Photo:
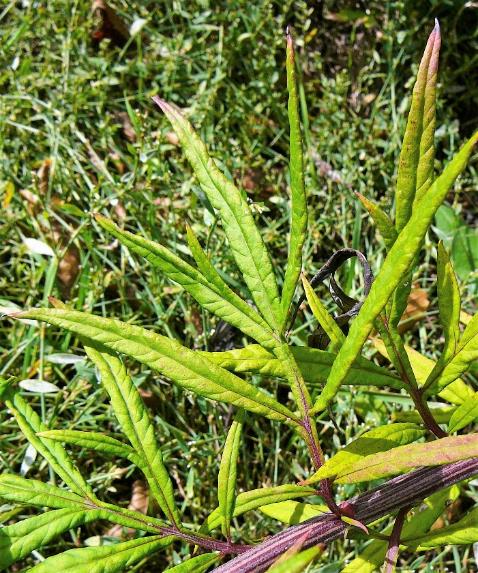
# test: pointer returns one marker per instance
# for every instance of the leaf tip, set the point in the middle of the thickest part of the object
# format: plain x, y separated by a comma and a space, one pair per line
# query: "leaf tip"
56, 303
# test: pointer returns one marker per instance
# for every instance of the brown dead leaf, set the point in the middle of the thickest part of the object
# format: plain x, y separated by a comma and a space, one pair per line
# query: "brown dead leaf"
128, 129
68, 269
139, 502
417, 306
110, 25
43, 176
172, 138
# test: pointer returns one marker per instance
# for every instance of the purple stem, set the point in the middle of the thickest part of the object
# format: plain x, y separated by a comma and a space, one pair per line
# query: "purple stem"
394, 543
405, 490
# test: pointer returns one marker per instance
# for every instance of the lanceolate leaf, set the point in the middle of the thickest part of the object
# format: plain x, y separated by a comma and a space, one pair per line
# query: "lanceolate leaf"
246, 243
30, 423
298, 223
185, 367
314, 364
379, 439
404, 458
331, 328
393, 269
250, 500
136, 424
228, 473
463, 532
297, 562
293, 512
464, 415
106, 559
197, 564
94, 441
448, 302
381, 219
209, 289
415, 171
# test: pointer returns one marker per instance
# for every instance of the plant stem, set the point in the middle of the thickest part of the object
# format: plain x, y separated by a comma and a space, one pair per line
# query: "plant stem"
394, 542
225, 547
405, 490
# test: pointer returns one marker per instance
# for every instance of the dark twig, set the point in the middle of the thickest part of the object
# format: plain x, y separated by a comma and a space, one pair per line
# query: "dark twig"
394, 542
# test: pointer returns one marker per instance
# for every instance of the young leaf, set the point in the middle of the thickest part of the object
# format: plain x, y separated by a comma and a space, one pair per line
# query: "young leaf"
185, 367
30, 423
298, 223
331, 328
415, 170
314, 364
293, 512
464, 415
297, 562
106, 559
227, 473
377, 440
197, 564
404, 458
19, 540
208, 289
462, 532
381, 219
250, 500
246, 243
136, 424
395, 266
448, 302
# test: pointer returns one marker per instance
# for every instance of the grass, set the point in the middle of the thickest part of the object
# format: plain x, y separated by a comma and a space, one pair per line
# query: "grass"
86, 109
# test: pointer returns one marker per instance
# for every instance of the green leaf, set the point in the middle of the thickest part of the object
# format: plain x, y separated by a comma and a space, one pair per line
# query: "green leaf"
297, 562
19, 540
415, 170
30, 424
314, 364
379, 439
464, 415
228, 473
95, 441
462, 532
448, 302
440, 415
373, 555
381, 219
246, 243
464, 251
207, 287
330, 327
395, 266
405, 458
136, 424
250, 500
293, 512
197, 564
185, 367
298, 223
103, 559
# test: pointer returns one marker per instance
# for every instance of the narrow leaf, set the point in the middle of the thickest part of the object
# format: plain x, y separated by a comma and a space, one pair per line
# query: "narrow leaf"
197, 564
105, 559
33, 492
185, 367
297, 562
404, 458
464, 415
462, 532
207, 287
448, 302
246, 243
298, 222
381, 220
228, 473
395, 266
136, 424
293, 512
377, 440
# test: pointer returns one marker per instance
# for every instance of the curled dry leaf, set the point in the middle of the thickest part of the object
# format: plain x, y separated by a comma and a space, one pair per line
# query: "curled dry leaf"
110, 25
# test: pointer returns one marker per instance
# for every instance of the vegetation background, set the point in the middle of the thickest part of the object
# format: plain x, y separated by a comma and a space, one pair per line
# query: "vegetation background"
79, 134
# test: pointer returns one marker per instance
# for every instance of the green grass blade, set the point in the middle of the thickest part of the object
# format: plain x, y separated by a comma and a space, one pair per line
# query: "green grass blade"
208, 289
198, 564
185, 367
394, 268
415, 171
405, 458
228, 473
30, 424
326, 321
377, 440
137, 426
298, 222
315, 365
247, 246
106, 559
449, 302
